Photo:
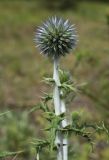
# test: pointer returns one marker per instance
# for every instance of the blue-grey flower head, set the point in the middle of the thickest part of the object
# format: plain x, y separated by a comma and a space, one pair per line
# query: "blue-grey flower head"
56, 37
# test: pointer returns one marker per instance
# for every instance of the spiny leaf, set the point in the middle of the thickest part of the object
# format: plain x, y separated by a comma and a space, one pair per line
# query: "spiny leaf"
34, 109
68, 87
47, 97
64, 76
49, 80
51, 116
40, 144
42, 106
53, 126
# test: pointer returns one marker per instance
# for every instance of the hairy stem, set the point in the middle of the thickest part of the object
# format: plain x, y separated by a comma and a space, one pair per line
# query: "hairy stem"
57, 105
64, 124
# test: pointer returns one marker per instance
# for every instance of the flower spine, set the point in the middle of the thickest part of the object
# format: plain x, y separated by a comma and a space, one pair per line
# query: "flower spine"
56, 37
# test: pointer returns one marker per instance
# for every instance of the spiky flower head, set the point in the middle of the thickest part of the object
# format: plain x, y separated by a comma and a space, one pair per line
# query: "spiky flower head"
56, 37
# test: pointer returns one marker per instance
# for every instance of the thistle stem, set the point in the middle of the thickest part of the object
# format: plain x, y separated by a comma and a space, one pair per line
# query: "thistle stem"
64, 124
57, 101
37, 157
57, 105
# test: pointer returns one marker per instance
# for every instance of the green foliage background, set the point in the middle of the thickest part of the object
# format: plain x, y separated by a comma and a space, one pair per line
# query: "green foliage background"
22, 69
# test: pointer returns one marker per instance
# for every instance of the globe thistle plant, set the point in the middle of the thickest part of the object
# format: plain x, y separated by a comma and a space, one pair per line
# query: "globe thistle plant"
56, 37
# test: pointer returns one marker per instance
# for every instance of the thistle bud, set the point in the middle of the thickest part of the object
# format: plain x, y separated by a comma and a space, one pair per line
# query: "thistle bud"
75, 116
56, 37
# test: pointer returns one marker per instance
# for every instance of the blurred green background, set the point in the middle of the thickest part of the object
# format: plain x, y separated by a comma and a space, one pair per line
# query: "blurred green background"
22, 69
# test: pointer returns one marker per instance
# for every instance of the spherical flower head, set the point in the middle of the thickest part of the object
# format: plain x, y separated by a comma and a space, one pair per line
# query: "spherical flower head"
56, 37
